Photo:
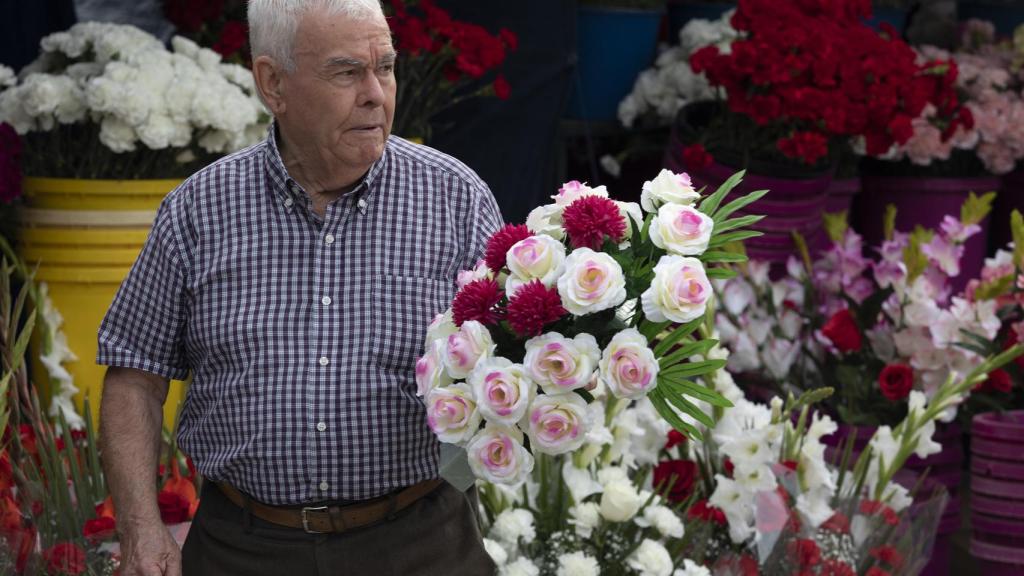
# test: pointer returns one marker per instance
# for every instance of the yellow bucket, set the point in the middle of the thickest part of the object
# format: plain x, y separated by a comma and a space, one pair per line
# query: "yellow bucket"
104, 195
83, 255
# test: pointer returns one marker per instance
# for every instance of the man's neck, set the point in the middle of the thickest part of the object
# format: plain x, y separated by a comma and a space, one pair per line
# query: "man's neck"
317, 174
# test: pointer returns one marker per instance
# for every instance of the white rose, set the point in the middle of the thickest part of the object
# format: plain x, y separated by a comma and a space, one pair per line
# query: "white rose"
592, 281
680, 290
585, 516
559, 364
620, 501
663, 519
667, 187
577, 564
496, 454
465, 347
430, 371
651, 559
502, 390
681, 229
452, 414
479, 272
557, 424
513, 525
546, 220
495, 551
440, 328
628, 366
574, 190
534, 258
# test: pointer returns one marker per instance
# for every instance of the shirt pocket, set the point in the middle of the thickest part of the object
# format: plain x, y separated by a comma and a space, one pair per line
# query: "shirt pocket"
403, 307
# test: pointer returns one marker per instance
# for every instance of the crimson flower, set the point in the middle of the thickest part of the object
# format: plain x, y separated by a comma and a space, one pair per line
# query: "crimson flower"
696, 158
841, 329
678, 476
501, 88
675, 438
533, 307
896, 381
838, 523
65, 558
702, 511
998, 381
174, 509
479, 300
805, 552
888, 554
98, 529
590, 219
499, 245
233, 37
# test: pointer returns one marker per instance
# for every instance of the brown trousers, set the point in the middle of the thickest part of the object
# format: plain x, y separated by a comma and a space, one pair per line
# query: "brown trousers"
437, 535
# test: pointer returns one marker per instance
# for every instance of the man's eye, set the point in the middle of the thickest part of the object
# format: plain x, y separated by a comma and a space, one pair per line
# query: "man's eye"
387, 68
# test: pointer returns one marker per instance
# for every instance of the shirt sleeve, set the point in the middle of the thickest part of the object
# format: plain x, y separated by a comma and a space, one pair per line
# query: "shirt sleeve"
145, 325
486, 220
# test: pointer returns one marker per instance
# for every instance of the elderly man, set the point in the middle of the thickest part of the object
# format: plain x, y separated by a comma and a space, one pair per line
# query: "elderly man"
295, 280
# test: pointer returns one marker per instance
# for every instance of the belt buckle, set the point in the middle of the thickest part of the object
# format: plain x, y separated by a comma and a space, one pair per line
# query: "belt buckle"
305, 519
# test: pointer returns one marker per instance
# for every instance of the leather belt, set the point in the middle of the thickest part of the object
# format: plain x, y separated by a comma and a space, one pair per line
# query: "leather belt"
333, 519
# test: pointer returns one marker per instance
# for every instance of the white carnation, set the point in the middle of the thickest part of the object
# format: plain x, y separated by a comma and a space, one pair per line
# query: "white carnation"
577, 564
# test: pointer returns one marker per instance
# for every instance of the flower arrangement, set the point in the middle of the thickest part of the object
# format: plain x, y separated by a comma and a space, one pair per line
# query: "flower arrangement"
875, 328
804, 77
219, 24
660, 92
148, 112
442, 61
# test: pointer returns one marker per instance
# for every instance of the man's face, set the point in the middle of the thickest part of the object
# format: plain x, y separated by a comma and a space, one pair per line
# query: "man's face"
341, 95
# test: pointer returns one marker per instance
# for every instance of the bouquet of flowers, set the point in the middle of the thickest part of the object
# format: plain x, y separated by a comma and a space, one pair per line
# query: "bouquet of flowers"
441, 62
660, 92
109, 101
806, 75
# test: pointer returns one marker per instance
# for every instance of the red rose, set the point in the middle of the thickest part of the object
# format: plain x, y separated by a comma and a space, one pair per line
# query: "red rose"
678, 476
173, 508
65, 558
841, 329
998, 381
702, 511
896, 381
98, 529
696, 158
501, 88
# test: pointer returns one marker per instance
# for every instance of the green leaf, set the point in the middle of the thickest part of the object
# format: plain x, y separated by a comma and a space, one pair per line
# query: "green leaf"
1017, 229
994, 288
650, 330
739, 236
661, 405
720, 273
689, 369
675, 336
976, 208
741, 222
700, 347
686, 407
867, 312
914, 259
836, 225
738, 203
690, 388
18, 352
889, 221
721, 256
710, 204
980, 341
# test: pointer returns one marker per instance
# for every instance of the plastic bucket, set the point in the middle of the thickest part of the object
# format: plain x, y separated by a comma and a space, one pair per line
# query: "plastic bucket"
102, 195
613, 47
840, 195
1007, 427
83, 256
995, 560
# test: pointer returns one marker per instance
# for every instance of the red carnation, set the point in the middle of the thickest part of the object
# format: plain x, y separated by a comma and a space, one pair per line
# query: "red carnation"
478, 301
809, 147
675, 438
842, 330
873, 507
696, 158
588, 220
901, 128
888, 554
501, 88
232, 38
701, 511
834, 567
678, 477
173, 507
998, 381
98, 529
896, 381
65, 558
837, 523
805, 551
533, 307
499, 244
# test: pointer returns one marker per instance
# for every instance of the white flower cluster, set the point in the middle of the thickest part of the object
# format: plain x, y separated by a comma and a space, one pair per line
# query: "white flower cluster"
138, 92
671, 83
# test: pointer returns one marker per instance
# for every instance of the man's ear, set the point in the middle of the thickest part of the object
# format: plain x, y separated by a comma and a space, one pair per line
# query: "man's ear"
269, 83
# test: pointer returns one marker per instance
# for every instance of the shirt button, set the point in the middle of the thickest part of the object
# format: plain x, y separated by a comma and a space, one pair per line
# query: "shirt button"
324, 361
361, 204
329, 239
324, 486
326, 300
321, 426
288, 202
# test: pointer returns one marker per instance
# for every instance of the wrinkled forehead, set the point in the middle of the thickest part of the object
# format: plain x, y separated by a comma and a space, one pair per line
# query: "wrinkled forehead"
322, 36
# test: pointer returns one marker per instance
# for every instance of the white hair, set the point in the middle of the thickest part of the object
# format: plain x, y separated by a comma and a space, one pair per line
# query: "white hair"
273, 23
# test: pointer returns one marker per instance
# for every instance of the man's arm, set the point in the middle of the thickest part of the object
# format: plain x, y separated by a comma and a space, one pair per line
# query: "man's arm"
131, 419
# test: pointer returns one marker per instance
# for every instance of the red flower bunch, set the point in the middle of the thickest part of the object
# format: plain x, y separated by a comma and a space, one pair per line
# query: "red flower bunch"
809, 72
998, 381
478, 300
896, 381
696, 158
591, 219
65, 558
533, 307
188, 16
842, 330
678, 477
220, 24
439, 59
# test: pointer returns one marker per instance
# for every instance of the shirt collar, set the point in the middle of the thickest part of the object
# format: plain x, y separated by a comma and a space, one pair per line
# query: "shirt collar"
285, 185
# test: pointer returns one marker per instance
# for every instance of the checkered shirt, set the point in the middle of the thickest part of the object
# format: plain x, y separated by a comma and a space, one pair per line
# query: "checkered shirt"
301, 332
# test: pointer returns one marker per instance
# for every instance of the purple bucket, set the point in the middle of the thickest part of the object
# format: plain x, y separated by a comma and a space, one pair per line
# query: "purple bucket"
1007, 427
999, 469
997, 530
995, 560
1009, 199
996, 487
996, 449
924, 201
840, 195
1004, 507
